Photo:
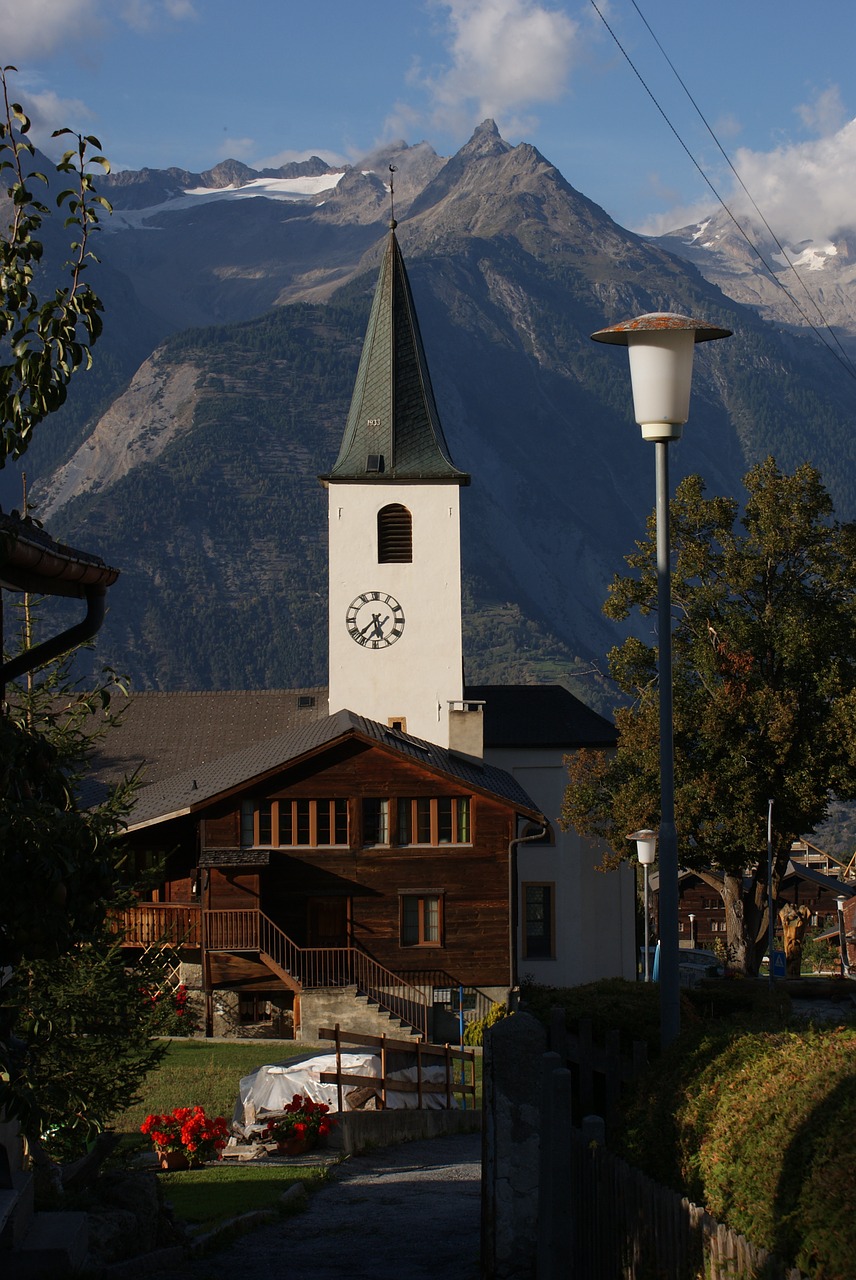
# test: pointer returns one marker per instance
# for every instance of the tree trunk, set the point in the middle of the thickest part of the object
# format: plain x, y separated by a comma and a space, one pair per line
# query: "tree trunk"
744, 918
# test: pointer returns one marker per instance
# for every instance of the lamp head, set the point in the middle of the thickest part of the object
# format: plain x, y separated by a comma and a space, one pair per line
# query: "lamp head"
646, 845
660, 346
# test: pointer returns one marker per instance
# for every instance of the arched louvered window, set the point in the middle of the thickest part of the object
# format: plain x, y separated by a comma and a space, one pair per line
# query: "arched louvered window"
394, 535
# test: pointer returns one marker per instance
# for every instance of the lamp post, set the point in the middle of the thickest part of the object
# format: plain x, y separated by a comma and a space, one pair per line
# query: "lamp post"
692, 929
842, 936
646, 851
661, 346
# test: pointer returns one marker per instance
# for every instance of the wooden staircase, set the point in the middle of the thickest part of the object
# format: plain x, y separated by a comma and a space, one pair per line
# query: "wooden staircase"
303, 969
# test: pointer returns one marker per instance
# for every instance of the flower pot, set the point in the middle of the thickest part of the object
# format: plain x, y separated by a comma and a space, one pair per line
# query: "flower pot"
172, 1160
295, 1146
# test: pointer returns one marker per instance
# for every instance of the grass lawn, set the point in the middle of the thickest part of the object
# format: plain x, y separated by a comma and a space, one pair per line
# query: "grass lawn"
202, 1197
199, 1073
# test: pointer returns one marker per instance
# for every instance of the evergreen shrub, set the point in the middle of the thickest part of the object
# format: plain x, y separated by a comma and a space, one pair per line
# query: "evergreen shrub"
757, 1126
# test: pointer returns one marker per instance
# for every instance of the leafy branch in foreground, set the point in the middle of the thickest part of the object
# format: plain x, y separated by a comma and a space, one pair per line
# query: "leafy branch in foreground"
43, 341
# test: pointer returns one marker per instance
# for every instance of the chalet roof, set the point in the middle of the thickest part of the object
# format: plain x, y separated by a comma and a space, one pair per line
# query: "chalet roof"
831, 883
539, 715
393, 431
195, 787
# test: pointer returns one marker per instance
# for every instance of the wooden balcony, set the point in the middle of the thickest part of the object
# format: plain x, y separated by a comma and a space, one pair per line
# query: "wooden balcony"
166, 924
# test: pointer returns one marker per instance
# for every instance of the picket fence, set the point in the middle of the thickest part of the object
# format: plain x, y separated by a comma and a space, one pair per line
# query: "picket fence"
627, 1227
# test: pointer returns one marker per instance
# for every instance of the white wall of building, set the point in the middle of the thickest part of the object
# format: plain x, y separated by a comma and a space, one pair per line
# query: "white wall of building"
415, 677
594, 910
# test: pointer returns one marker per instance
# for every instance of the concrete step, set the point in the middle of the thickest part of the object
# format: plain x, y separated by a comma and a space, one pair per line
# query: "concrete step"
55, 1245
16, 1210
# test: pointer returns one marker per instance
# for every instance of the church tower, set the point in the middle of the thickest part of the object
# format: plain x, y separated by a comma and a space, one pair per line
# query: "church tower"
395, 642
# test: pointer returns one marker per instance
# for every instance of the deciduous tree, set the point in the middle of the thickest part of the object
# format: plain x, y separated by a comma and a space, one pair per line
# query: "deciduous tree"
764, 662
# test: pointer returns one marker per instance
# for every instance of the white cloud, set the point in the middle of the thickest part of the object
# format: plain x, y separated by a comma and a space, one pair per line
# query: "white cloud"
46, 26
145, 15
506, 56
803, 189
42, 27
826, 114
47, 112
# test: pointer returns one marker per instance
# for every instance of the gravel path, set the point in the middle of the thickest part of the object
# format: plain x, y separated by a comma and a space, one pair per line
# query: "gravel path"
409, 1212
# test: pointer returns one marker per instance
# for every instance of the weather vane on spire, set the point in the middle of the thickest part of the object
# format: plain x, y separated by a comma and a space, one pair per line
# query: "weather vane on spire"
393, 224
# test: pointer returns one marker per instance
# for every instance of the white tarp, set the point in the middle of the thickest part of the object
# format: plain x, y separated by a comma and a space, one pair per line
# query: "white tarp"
269, 1089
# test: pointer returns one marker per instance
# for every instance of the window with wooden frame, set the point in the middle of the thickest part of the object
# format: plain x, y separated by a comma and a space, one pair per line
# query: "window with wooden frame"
394, 535
421, 918
252, 1008
375, 820
539, 921
290, 823
433, 820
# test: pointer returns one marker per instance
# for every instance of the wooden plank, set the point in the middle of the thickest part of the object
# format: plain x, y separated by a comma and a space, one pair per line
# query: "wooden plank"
366, 1041
394, 1086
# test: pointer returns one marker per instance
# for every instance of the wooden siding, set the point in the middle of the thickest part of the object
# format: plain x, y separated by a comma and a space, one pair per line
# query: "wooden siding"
472, 879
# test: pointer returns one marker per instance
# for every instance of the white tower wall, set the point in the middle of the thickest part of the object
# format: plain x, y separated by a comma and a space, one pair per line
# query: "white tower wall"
415, 677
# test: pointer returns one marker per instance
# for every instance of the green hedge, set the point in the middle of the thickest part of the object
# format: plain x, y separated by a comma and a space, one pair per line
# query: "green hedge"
758, 1127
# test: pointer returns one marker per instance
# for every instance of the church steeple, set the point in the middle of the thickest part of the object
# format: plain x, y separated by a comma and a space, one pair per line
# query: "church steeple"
395, 534
393, 433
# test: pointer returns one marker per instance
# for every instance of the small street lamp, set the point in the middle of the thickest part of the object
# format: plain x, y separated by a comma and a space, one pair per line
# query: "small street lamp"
842, 935
646, 851
661, 346
692, 929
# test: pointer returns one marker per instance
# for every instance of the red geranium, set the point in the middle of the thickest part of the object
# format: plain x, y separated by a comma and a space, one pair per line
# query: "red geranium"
189, 1130
301, 1118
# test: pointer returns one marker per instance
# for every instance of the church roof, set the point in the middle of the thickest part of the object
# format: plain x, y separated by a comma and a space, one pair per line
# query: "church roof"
539, 715
193, 788
393, 431
166, 734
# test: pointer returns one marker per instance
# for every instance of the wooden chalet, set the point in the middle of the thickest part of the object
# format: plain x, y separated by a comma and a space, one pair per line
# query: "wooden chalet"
338, 858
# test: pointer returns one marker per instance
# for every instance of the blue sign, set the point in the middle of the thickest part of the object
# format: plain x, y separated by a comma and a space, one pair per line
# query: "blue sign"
778, 966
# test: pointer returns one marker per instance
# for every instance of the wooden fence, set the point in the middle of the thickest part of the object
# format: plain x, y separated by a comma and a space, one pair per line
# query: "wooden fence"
456, 1077
627, 1227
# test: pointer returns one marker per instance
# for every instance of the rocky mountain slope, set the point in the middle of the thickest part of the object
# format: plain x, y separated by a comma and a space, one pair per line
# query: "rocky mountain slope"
809, 284
236, 326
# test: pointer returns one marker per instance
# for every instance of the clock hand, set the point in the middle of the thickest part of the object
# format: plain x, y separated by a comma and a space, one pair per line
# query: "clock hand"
376, 625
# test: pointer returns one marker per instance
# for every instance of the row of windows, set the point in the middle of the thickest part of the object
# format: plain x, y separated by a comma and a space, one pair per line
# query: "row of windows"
419, 820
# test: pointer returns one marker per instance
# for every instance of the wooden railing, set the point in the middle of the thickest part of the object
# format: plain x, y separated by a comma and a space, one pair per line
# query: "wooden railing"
231, 930
251, 930
344, 967
161, 923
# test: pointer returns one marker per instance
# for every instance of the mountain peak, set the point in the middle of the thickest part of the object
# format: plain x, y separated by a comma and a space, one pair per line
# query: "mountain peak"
486, 140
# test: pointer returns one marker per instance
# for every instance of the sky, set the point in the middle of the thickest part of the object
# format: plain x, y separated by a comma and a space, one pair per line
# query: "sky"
188, 83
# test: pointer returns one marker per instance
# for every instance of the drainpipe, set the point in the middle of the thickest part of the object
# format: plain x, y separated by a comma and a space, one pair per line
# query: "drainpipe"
59, 644
513, 991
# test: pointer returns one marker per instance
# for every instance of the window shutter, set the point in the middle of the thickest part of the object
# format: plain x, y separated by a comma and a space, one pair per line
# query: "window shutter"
394, 535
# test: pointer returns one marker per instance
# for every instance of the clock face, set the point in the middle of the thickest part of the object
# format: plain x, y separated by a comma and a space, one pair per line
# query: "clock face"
375, 620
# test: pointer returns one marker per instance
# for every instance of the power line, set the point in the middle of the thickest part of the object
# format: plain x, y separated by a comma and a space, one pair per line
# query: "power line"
842, 358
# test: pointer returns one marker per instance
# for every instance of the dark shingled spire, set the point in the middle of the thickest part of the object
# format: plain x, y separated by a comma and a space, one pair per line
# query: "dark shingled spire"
393, 431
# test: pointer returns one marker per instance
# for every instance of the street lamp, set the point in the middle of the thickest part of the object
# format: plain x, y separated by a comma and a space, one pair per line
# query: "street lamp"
842, 936
692, 929
646, 851
661, 346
